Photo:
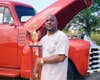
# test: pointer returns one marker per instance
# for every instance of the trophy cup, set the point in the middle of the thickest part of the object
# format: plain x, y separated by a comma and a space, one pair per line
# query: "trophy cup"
35, 37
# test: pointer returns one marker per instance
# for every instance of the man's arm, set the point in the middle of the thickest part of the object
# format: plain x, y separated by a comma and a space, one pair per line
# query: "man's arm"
54, 59
48, 60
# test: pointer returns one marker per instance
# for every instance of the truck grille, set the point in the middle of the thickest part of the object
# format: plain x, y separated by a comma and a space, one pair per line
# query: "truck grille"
94, 60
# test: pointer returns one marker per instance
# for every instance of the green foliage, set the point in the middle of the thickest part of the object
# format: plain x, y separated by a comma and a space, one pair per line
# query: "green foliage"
91, 21
97, 1
86, 17
96, 37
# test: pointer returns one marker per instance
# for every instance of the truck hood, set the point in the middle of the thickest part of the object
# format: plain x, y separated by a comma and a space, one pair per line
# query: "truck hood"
64, 10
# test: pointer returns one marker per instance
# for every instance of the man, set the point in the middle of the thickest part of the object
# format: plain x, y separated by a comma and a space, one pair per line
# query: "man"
55, 47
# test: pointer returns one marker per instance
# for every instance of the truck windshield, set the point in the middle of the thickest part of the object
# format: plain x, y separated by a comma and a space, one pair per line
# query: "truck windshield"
24, 13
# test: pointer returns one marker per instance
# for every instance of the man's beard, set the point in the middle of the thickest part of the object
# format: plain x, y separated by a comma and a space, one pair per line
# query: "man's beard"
54, 29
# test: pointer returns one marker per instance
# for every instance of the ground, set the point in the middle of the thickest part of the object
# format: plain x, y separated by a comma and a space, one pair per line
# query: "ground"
93, 76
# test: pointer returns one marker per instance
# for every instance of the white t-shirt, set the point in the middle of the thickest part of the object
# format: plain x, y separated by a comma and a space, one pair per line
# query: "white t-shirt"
55, 44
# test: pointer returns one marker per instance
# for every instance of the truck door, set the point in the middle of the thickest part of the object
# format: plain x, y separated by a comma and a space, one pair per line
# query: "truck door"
8, 39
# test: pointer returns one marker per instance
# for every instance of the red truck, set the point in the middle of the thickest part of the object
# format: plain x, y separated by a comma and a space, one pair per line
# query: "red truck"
18, 20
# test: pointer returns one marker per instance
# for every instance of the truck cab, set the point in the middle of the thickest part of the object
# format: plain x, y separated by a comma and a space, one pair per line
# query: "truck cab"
12, 37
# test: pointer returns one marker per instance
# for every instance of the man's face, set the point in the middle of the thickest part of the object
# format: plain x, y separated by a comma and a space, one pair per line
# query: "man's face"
51, 23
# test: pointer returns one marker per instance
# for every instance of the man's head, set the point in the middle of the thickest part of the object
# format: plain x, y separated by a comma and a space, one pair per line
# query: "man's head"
51, 23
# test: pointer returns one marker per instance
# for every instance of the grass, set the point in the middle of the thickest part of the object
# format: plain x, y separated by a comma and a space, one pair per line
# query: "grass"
96, 37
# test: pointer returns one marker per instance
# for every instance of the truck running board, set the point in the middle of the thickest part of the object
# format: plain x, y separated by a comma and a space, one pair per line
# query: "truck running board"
9, 72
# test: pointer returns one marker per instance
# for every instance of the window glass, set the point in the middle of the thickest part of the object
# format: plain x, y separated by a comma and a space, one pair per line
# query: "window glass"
5, 16
1, 14
24, 13
8, 17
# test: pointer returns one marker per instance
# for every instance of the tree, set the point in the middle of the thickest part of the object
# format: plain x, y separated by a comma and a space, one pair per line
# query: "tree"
86, 17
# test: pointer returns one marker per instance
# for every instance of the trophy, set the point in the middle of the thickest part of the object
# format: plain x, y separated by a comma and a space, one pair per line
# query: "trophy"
34, 34
35, 37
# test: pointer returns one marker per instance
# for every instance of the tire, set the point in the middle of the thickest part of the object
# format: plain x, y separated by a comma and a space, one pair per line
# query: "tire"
72, 73
18, 78
9, 78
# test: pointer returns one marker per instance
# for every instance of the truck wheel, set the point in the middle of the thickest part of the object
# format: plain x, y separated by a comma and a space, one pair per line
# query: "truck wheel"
72, 73
18, 78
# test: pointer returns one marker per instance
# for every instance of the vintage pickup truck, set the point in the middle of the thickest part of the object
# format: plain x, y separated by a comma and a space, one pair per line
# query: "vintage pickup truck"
18, 21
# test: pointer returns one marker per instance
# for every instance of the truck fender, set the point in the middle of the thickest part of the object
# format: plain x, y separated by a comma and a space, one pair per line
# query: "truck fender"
79, 58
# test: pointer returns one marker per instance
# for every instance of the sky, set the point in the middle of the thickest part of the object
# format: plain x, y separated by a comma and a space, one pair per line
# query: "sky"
37, 4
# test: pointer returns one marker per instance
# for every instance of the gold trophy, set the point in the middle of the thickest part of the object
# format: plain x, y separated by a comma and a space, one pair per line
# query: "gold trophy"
35, 37
34, 34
